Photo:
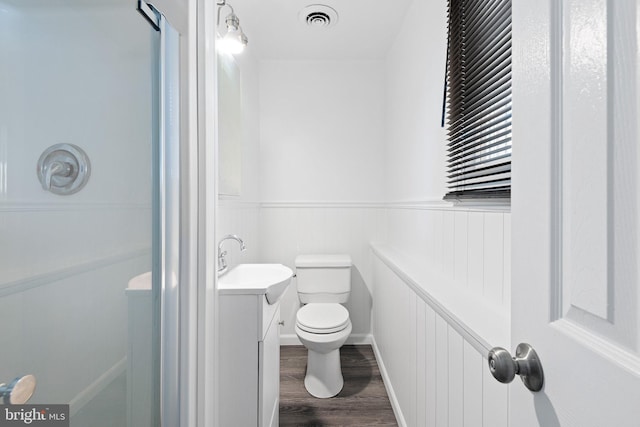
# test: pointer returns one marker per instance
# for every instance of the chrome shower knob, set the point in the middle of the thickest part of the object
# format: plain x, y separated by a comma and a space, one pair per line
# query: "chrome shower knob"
63, 169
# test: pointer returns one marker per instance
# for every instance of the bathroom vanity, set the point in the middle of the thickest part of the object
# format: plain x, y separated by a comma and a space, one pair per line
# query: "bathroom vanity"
250, 345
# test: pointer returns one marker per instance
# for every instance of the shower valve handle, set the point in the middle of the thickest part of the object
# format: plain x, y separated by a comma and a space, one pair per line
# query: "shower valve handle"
55, 168
63, 169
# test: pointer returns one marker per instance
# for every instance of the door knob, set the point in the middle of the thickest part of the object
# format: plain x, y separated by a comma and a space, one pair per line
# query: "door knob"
526, 363
18, 391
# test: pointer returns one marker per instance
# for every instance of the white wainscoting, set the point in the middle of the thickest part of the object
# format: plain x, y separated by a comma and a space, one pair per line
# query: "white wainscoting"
432, 299
288, 229
432, 351
441, 300
470, 247
68, 327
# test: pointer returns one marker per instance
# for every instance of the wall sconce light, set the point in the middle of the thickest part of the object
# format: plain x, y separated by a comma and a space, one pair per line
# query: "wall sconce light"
234, 40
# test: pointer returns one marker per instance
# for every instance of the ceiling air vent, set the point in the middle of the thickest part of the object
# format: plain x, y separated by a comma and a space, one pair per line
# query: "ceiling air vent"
318, 16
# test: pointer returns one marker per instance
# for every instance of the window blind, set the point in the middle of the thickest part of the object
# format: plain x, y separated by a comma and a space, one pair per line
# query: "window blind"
478, 99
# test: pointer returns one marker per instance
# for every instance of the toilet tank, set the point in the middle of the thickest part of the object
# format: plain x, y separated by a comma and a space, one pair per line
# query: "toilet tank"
323, 278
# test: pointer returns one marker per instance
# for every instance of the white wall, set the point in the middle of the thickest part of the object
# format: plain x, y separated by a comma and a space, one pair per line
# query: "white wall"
415, 66
80, 76
239, 214
322, 163
462, 254
322, 131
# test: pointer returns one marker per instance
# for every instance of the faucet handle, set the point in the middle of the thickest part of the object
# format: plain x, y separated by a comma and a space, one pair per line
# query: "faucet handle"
222, 262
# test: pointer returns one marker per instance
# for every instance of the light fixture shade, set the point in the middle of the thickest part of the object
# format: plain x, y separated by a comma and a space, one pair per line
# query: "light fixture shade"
231, 42
234, 40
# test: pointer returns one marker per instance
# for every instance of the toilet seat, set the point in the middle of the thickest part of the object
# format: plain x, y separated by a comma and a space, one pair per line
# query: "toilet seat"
322, 318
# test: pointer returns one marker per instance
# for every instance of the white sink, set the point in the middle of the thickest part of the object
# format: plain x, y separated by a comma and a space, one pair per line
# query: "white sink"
245, 279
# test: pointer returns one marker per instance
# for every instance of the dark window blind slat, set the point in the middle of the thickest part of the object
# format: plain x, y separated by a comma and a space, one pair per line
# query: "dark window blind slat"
478, 99
495, 111
499, 180
486, 96
479, 149
485, 156
482, 137
479, 152
482, 173
497, 60
487, 20
496, 85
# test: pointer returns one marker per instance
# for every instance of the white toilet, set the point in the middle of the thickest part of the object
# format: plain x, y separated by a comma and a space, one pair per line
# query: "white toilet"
322, 323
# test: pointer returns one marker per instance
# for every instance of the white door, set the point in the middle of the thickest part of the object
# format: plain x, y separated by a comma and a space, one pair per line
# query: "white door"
576, 210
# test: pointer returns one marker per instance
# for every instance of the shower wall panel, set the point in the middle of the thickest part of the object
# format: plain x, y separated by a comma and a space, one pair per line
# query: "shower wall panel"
76, 73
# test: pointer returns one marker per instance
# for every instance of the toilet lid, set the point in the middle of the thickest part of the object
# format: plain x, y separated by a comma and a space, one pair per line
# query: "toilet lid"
322, 318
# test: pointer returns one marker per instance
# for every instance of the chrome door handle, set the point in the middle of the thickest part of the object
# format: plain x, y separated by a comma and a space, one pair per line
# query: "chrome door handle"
18, 391
504, 368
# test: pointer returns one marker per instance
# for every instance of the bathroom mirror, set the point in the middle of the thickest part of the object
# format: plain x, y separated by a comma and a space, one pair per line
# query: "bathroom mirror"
229, 126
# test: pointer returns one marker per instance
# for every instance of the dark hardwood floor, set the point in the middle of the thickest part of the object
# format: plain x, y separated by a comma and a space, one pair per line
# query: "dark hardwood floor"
362, 402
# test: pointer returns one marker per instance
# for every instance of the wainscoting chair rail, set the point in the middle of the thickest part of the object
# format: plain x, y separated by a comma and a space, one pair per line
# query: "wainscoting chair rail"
482, 323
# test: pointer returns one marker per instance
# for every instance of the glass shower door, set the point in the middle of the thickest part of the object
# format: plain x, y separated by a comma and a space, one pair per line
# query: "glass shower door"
79, 76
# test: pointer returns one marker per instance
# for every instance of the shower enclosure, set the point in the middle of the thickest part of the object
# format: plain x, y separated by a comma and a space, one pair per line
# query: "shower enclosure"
88, 83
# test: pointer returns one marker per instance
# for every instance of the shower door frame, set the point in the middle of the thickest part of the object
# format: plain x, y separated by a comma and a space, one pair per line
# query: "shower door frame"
176, 214
169, 224
189, 370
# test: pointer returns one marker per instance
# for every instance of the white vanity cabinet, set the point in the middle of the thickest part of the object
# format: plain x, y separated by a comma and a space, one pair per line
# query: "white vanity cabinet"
249, 361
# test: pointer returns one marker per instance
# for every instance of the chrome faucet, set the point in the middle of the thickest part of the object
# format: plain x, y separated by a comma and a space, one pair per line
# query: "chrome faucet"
222, 262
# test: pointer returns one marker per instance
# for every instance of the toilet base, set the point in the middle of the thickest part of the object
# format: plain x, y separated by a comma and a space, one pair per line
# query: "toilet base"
324, 374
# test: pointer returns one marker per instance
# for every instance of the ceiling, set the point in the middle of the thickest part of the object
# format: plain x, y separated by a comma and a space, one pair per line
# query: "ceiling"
365, 29
26, 4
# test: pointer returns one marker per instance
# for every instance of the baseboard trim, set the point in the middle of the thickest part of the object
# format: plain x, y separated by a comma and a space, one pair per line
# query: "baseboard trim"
86, 395
289, 339
354, 339
395, 405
